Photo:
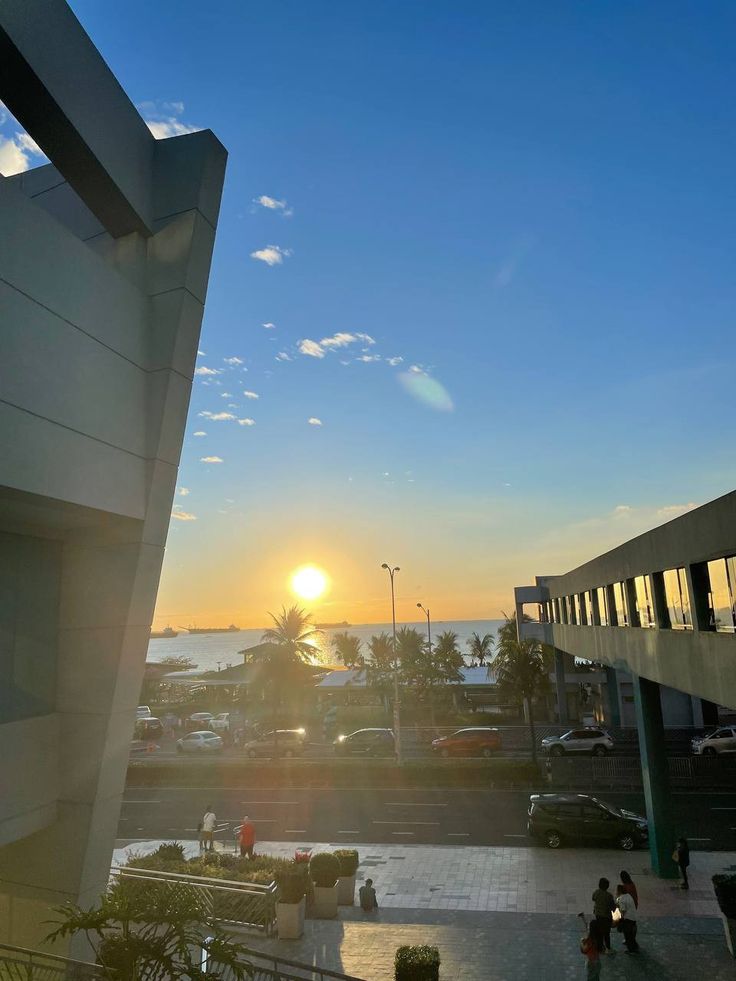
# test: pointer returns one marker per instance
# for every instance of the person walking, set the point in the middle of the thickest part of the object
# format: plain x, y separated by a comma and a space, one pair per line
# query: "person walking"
603, 906
628, 883
367, 896
681, 855
209, 823
247, 837
627, 923
591, 946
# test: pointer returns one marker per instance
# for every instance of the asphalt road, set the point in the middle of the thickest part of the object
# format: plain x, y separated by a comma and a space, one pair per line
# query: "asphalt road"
447, 817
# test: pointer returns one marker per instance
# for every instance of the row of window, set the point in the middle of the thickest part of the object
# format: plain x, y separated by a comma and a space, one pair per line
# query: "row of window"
630, 603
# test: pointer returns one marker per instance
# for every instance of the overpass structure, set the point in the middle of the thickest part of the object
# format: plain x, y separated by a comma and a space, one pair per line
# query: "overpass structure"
661, 607
104, 262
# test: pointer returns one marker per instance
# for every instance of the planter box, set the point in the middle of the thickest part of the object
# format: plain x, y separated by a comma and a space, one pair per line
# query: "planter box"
729, 927
290, 919
325, 902
346, 890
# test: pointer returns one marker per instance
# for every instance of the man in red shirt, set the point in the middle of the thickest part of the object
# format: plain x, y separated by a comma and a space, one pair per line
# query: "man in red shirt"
247, 837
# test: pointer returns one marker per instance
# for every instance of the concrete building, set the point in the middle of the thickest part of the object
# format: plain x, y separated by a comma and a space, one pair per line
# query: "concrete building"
104, 262
662, 609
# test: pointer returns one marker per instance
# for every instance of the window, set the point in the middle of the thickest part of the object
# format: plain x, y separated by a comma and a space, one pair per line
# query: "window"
722, 594
644, 605
588, 607
576, 608
556, 611
622, 607
603, 606
678, 599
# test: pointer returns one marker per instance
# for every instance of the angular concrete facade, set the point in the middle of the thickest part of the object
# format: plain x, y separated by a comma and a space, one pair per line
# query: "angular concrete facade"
104, 262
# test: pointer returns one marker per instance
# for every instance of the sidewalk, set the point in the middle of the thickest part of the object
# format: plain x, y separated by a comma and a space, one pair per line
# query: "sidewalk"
508, 914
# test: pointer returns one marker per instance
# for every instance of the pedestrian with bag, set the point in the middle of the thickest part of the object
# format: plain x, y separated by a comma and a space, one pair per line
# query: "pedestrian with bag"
627, 918
247, 837
681, 856
603, 906
209, 823
591, 946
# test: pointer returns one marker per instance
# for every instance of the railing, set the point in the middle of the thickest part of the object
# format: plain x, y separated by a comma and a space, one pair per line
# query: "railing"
22, 964
226, 901
265, 967
616, 771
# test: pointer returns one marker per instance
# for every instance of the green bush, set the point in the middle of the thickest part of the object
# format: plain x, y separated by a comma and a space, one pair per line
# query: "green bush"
171, 851
324, 869
725, 887
292, 885
418, 963
349, 860
261, 870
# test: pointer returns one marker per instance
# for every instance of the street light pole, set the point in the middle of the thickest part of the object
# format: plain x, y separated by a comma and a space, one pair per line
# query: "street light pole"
429, 627
397, 710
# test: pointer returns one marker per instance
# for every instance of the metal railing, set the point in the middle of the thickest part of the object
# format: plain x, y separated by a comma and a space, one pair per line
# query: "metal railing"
226, 901
23, 964
266, 967
616, 771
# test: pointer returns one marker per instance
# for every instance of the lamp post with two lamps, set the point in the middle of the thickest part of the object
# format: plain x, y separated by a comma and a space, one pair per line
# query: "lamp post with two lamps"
397, 711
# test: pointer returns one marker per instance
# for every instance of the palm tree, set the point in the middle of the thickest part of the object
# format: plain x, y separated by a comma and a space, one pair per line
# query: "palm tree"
522, 671
290, 645
379, 666
347, 647
446, 664
480, 647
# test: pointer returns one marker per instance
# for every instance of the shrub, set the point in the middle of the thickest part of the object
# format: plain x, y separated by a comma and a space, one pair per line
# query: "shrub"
324, 869
725, 887
349, 860
172, 851
292, 885
419, 963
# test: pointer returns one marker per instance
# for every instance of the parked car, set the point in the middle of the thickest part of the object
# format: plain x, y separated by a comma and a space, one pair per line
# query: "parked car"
198, 721
559, 819
149, 728
279, 742
475, 741
366, 742
200, 742
143, 712
722, 740
221, 722
589, 740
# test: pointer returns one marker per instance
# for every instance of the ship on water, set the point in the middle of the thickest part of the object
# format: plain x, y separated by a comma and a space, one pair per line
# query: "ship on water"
232, 629
166, 632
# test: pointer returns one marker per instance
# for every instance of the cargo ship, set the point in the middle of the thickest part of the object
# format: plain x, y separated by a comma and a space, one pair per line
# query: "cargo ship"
232, 629
166, 632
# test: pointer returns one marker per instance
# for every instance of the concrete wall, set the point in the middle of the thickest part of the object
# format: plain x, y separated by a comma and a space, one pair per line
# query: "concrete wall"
100, 331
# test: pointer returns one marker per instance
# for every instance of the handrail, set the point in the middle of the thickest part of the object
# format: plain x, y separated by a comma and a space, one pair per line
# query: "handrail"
204, 880
279, 963
53, 957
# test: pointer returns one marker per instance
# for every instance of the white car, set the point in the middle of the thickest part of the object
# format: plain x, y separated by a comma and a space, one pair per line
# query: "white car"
200, 742
722, 740
221, 722
589, 740
143, 712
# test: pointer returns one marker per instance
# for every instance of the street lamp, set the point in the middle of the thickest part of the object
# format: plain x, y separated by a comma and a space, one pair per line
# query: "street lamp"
397, 711
429, 627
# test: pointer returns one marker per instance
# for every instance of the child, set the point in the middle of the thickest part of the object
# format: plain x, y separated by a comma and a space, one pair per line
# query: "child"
591, 946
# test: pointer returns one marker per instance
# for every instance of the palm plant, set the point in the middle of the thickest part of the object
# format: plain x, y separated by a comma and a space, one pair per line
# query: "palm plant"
291, 644
379, 666
480, 647
154, 934
522, 671
347, 647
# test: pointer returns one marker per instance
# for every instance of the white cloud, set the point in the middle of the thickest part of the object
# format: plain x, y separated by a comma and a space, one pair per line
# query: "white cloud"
182, 515
674, 510
368, 358
273, 204
216, 416
417, 369
343, 338
200, 432
211, 459
201, 354
183, 492
204, 370
246, 422
233, 361
226, 395
283, 356
272, 255
394, 361
311, 348
16, 153
269, 326
314, 421
163, 119
251, 395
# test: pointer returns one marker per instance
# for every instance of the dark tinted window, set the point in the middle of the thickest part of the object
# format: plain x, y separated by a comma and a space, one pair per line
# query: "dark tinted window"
563, 811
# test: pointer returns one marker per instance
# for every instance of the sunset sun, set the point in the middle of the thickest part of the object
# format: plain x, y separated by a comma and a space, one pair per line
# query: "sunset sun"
308, 582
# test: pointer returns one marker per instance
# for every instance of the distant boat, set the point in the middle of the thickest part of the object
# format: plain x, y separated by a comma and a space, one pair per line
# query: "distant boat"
232, 629
166, 632
329, 626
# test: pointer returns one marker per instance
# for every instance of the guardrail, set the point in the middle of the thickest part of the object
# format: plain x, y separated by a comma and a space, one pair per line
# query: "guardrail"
617, 771
231, 903
268, 968
23, 964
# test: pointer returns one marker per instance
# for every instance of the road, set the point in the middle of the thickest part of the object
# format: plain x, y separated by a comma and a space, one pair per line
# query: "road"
459, 817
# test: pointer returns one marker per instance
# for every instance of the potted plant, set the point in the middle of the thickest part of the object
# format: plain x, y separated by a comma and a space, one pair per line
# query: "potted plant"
418, 963
349, 861
725, 889
291, 903
324, 870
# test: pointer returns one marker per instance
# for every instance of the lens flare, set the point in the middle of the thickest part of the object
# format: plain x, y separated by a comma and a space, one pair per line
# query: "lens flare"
308, 582
427, 390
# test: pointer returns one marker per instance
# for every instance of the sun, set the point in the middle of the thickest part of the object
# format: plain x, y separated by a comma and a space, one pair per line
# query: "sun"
308, 582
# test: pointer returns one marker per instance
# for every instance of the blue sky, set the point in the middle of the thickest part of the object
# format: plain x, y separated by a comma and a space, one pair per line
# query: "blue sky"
531, 204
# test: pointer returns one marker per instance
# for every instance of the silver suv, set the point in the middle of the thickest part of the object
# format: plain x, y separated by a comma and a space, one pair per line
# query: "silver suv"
723, 740
589, 740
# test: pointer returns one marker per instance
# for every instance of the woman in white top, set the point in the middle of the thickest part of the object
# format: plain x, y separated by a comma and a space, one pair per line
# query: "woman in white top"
627, 910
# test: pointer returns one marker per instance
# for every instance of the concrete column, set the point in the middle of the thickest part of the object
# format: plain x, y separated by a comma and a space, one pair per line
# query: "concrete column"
709, 711
561, 687
614, 709
697, 587
655, 776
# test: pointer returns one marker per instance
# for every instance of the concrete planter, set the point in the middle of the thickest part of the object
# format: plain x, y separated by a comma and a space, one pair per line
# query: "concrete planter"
290, 919
346, 890
325, 902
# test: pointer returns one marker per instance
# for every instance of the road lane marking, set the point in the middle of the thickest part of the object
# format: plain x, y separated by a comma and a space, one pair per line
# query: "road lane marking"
392, 803
723, 808
458, 834
348, 832
432, 823
515, 836
252, 803
142, 802
295, 831
409, 833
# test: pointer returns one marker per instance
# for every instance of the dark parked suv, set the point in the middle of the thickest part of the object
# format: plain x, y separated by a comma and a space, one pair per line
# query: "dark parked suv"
366, 742
561, 818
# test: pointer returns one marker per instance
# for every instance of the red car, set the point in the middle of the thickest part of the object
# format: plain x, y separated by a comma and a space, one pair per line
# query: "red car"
478, 741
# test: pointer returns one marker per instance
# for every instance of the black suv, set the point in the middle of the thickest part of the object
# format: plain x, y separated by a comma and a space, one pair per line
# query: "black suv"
560, 818
366, 742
